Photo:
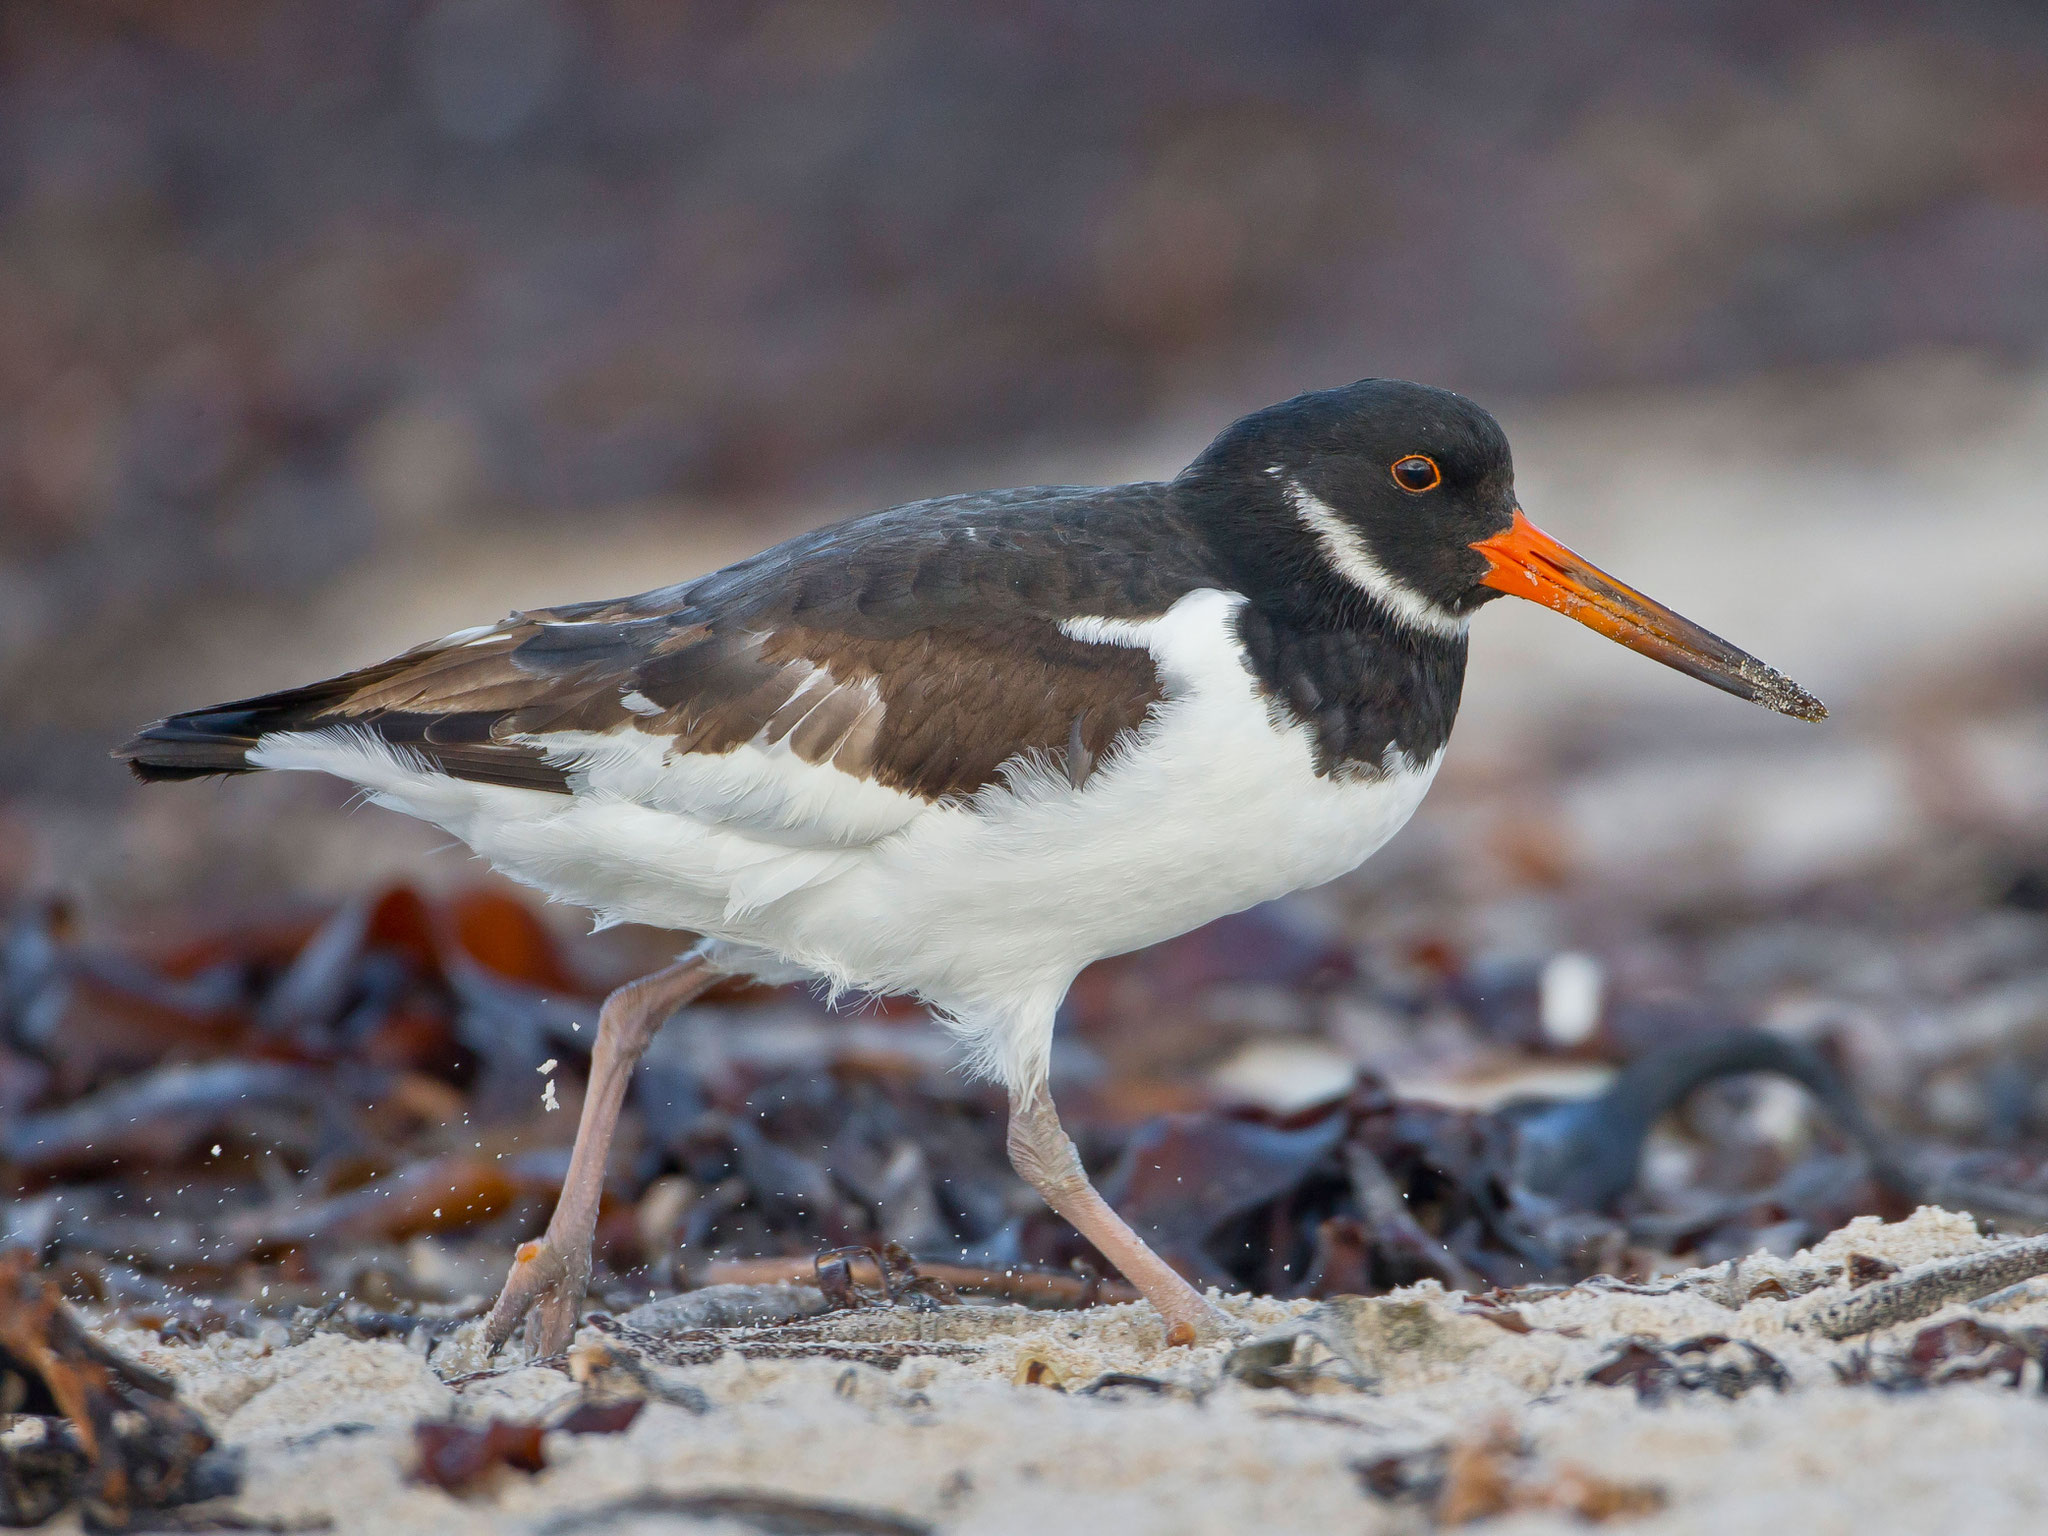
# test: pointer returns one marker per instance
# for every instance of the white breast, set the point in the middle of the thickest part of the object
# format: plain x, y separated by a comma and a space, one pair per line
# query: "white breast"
987, 910
991, 911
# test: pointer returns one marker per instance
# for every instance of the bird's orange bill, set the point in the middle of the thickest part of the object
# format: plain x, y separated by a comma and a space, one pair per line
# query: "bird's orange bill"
1527, 562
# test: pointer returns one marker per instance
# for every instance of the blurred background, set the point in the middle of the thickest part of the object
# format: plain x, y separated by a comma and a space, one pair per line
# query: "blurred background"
325, 330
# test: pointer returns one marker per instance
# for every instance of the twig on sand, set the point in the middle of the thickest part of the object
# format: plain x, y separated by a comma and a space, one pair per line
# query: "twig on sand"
507, 1369
1928, 1288
760, 1511
727, 1306
1031, 1287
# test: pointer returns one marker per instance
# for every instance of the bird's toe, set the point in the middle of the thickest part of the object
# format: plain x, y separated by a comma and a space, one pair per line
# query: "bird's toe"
545, 1288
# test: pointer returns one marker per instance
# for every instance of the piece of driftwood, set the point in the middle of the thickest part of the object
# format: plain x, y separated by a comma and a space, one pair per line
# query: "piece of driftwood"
731, 1305
1927, 1288
776, 1514
1030, 1287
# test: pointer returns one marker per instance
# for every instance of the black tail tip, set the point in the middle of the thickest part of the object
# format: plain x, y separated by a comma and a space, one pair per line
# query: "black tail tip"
162, 773
183, 748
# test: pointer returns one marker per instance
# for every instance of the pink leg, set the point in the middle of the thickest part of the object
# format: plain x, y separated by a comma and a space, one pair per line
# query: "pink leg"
549, 1276
1042, 1152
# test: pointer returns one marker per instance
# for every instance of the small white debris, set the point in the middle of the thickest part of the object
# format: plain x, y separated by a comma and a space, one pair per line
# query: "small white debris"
437, 1212
216, 1149
1569, 997
548, 1066
547, 1096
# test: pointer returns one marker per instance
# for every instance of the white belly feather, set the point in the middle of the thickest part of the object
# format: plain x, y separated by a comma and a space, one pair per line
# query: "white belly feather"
986, 910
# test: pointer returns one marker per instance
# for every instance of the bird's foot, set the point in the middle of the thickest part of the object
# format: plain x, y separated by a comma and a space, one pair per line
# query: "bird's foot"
545, 1288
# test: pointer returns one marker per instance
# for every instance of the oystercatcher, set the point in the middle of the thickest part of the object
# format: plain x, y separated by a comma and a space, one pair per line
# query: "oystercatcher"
960, 749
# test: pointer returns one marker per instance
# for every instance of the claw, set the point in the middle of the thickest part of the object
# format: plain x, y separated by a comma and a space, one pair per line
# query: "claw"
1202, 1323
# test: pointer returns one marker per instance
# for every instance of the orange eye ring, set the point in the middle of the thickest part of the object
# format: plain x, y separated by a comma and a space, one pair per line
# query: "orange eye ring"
1416, 473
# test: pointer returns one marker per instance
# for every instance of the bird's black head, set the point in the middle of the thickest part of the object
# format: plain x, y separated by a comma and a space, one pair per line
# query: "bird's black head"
1381, 487
1393, 504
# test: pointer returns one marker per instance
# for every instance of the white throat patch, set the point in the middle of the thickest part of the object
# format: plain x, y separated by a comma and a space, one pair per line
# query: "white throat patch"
1355, 562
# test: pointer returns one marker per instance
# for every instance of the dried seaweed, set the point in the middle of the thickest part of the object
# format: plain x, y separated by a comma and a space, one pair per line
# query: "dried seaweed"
1478, 1477
458, 1458
346, 1107
1961, 1349
599, 1418
1707, 1363
113, 1439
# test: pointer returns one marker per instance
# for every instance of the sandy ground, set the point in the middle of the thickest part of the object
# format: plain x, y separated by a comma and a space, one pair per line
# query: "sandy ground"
954, 1439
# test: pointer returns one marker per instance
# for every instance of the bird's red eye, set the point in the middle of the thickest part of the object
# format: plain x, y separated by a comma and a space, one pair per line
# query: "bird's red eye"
1417, 472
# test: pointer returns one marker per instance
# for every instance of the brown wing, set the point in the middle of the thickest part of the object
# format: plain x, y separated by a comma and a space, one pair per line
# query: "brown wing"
920, 647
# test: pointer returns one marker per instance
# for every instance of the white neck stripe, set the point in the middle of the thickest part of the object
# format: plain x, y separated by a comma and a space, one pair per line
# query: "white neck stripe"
1355, 562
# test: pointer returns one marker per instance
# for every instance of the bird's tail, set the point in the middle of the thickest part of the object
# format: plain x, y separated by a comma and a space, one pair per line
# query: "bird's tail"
202, 742
193, 745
